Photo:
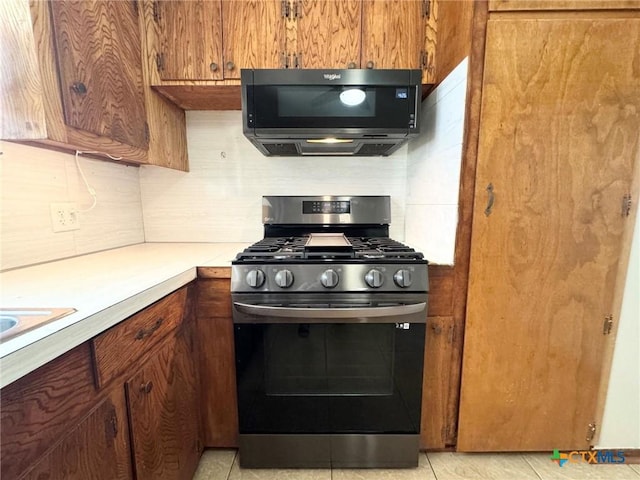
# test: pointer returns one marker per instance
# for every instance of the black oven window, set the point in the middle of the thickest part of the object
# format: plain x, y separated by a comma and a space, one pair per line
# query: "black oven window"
329, 378
336, 359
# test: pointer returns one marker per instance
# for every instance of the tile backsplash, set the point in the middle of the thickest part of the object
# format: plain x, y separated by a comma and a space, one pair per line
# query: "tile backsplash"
433, 170
33, 178
220, 199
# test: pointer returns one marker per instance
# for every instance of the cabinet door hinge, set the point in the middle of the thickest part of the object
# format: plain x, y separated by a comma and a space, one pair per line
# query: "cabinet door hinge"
160, 61
286, 8
156, 12
626, 205
608, 325
147, 133
423, 59
135, 7
591, 431
284, 60
297, 60
297, 9
426, 8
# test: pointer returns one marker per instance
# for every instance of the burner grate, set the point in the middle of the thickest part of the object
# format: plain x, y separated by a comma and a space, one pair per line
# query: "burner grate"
362, 249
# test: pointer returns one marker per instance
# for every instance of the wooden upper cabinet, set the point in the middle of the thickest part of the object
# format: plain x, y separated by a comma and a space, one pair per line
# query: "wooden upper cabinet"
253, 35
393, 33
100, 68
328, 34
190, 39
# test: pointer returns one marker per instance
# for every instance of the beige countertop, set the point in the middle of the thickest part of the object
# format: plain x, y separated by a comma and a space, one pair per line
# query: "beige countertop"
104, 288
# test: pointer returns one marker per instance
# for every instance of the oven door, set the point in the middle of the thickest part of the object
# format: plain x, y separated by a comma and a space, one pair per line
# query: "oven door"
328, 365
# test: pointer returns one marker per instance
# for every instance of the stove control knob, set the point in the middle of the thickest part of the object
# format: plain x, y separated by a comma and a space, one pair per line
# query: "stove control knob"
255, 278
329, 278
402, 278
284, 278
374, 278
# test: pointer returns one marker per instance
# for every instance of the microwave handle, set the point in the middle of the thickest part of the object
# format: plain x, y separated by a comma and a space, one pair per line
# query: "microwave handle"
269, 314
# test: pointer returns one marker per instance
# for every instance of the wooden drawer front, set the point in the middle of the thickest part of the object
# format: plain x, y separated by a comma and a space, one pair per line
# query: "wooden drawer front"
134, 339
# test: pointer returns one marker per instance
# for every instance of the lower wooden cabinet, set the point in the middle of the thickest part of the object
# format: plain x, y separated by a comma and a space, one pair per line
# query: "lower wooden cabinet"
98, 448
40, 408
217, 358
141, 420
163, 402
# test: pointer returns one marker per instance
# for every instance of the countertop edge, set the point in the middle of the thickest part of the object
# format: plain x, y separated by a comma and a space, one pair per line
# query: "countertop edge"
24, 360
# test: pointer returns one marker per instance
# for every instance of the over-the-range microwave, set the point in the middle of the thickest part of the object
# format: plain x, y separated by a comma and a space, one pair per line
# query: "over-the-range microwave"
291, 112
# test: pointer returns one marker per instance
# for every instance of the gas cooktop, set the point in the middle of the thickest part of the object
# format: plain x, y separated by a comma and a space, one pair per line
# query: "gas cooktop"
298, 248
328, 244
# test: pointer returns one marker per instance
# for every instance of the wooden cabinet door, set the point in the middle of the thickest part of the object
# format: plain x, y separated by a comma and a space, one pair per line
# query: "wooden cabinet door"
217, 358
190, 39
253, 35
393, 33
98, 53
558, 140
328, 33
164, 414
96, 449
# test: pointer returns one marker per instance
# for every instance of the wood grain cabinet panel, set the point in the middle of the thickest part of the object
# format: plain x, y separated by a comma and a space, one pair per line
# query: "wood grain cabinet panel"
37, 409
507, 5
217, 363
328, 34
100, 68
557, 145
393, 33
123, 346
97, 448
254, 35
22, 108
190, 39
183, 41
163, 410
73, 80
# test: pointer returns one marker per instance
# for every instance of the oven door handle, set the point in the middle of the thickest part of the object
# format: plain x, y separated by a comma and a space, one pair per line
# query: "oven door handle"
345, 315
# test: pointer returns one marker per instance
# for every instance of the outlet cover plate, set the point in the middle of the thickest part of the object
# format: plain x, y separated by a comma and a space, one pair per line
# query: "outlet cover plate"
64, 216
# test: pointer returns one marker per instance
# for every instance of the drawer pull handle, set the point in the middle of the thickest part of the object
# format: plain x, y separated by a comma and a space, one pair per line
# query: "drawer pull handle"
146, 387
146, 332
490, 199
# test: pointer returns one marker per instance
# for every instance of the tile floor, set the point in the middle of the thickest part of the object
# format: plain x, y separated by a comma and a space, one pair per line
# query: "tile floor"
223, 465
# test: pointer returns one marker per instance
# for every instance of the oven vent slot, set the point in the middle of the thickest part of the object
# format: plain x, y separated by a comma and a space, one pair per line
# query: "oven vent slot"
375, 148
281, 148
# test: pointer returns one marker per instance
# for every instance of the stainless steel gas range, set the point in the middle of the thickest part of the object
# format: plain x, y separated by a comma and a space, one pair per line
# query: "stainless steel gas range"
329, 322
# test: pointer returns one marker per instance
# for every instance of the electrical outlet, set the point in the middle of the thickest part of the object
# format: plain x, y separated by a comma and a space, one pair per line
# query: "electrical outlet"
64, 217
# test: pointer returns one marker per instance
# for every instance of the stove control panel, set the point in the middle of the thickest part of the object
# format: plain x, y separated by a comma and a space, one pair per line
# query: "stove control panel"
337, 277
